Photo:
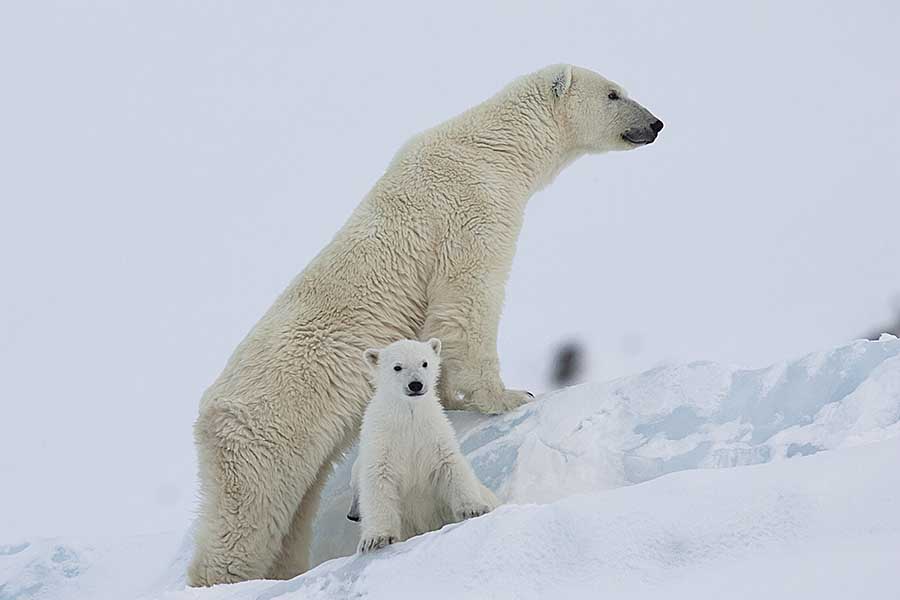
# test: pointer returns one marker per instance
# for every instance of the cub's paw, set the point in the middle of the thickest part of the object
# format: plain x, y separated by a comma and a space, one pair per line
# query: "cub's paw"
496, 403
375, 542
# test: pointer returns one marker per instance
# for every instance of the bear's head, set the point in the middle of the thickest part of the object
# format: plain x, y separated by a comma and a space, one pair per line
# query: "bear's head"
596, 113
406, 368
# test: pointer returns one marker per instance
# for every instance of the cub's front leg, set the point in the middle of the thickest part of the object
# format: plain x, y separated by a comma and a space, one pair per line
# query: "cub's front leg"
457, 484
464, 312
379, 507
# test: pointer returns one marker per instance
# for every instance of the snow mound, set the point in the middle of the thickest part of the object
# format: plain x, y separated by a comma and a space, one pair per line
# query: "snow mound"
59, 569
615, 488
702, 415
818, 527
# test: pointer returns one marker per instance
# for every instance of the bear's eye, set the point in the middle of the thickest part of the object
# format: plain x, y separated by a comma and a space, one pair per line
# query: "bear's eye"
398, 368
425, 365
613, 95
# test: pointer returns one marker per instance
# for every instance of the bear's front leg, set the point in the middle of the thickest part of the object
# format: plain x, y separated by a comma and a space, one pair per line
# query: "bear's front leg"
464, 313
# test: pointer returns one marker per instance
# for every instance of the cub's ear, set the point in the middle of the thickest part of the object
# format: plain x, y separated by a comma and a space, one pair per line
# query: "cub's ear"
435, 345
371, 356
562, 81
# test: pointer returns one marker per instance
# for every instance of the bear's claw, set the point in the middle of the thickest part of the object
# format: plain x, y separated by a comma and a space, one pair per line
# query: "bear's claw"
494, 404
470, 512
375, 542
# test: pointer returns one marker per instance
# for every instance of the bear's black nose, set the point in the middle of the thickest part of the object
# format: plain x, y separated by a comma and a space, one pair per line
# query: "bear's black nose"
415, 386
656, 126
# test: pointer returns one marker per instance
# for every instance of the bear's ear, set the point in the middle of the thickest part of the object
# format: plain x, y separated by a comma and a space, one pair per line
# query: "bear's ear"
435, 345
371, 356
562, 81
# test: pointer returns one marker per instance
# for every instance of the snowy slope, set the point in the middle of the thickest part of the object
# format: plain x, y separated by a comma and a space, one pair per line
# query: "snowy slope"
616, 488
608, 435
88, 569
816, 527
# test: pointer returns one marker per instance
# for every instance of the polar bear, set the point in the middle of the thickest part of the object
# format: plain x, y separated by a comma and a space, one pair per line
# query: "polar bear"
425, 254
411, 475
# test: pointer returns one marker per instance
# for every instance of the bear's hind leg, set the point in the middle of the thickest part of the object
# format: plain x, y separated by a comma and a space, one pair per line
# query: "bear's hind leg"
244, 516
293, 558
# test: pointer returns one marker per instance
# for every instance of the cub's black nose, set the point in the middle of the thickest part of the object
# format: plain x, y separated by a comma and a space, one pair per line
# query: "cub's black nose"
656, 126
415, 386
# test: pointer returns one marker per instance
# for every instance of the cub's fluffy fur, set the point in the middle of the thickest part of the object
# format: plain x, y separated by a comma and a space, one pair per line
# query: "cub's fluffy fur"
410, 475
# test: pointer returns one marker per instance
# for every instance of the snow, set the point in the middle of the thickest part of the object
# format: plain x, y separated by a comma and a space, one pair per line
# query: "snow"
686, 481
64, 568
701, 415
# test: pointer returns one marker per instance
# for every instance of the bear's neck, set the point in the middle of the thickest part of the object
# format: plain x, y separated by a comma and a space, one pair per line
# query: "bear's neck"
524, 137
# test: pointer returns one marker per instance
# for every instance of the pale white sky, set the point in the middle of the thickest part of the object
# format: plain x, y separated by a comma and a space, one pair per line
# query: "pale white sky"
168, 167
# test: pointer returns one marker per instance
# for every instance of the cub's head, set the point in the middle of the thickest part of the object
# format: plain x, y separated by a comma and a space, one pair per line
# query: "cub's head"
597, 113
407, 367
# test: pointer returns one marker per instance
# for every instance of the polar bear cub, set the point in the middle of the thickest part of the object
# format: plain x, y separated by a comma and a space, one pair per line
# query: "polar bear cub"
411, 476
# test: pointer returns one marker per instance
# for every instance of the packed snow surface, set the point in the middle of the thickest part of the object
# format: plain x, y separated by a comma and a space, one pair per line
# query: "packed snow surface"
685, 481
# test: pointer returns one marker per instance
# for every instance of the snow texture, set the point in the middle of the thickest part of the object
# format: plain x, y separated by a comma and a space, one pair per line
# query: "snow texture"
622, 488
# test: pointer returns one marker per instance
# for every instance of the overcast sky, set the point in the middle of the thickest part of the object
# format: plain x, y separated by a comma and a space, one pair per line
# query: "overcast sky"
167, 167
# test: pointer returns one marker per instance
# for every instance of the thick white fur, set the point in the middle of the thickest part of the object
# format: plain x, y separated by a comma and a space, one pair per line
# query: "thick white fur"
410, 475
426, 254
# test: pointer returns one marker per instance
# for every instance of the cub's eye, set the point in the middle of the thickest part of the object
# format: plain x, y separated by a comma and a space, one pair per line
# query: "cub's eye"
398, 368
613, 95
425, 365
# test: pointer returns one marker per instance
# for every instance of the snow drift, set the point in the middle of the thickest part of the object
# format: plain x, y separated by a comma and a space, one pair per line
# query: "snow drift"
575, 523
598, 437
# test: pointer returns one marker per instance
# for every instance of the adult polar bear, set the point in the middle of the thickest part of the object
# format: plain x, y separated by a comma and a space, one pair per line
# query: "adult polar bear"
426, 254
